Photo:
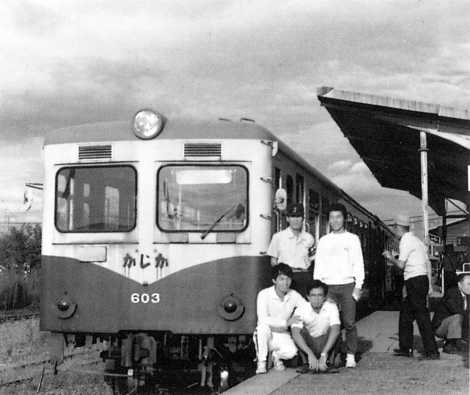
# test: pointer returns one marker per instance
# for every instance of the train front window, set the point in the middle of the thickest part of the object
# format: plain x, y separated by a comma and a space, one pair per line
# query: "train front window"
96, 199
196, 198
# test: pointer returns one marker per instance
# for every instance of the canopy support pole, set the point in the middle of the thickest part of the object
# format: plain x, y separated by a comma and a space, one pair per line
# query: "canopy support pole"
444, 230
424, 185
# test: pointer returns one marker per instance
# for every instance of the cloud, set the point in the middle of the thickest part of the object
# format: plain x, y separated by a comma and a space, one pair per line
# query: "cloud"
76, 62
21, 163
340, 166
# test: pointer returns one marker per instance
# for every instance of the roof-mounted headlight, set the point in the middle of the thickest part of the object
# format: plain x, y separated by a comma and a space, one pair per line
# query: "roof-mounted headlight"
148, 124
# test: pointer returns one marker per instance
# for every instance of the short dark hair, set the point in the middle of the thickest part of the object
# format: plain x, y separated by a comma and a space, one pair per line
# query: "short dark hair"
281, 268
338, 207
461, 276
317, 284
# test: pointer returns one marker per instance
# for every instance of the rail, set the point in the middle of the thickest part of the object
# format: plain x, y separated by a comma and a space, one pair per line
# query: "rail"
17, 316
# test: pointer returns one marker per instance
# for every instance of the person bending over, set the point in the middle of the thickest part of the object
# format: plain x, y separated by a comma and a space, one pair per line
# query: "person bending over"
451, 318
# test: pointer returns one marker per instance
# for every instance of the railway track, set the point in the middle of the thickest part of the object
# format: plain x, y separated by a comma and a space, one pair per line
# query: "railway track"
17, 316
90, 377
20, 373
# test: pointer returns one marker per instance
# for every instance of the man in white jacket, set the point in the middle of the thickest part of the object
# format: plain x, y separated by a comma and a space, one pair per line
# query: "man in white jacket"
340, 265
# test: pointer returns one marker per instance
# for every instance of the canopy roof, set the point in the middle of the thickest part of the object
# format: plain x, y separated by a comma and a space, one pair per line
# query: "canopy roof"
386, 134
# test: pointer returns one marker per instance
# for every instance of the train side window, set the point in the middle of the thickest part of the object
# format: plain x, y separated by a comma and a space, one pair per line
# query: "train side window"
299, 188
313, 202
347, 224
324, 216
289, 189
313, 210
96, 199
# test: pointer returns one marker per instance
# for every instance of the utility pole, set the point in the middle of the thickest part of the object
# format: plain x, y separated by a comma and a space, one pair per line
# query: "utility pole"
424, 185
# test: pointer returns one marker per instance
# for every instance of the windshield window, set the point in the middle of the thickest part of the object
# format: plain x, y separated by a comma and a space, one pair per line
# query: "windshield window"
192, 198
96, 199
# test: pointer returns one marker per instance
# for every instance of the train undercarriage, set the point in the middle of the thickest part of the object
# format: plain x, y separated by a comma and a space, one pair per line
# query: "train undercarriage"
167, 363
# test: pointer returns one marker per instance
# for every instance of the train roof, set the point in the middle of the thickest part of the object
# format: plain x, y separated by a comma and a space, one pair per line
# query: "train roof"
173, 129
191, 129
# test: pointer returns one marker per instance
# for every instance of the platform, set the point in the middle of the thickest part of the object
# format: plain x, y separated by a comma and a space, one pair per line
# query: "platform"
378, 371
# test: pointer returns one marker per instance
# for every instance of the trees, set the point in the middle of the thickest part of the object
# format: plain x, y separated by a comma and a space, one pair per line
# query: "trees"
20, 248
20, 260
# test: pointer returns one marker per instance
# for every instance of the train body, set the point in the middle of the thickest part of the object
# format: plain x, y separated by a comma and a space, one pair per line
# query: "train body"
166, 238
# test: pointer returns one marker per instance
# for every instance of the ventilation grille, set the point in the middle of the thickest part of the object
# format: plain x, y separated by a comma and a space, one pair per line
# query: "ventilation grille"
200, 150
94, 152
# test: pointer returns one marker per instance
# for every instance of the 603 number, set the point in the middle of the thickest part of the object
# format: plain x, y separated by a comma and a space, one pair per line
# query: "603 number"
145, 298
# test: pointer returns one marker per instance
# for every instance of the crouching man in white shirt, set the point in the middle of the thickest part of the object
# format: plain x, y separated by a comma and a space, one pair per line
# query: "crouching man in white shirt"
316, 327
275, 306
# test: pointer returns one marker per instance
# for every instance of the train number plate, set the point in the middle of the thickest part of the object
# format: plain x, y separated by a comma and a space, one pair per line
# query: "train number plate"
145, 298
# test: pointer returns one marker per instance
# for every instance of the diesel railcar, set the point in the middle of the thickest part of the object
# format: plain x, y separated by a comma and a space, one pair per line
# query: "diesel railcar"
155, 234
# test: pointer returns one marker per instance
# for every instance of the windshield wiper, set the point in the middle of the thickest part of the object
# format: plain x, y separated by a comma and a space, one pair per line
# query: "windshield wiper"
238, 213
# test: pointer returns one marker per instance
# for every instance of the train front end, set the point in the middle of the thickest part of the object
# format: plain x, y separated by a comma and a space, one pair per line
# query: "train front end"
156, 243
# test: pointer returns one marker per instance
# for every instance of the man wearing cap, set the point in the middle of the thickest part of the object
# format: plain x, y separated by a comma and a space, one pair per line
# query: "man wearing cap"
293, 246
413, 260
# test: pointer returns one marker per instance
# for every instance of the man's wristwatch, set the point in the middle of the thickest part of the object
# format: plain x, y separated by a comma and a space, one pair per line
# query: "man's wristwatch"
323, 354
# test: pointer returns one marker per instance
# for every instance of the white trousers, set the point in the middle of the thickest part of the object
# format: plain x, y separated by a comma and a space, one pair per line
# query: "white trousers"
280, 343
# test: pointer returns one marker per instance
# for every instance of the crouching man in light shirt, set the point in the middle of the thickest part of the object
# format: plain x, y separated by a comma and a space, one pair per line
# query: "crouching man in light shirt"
316, 327
274, 309
340, 265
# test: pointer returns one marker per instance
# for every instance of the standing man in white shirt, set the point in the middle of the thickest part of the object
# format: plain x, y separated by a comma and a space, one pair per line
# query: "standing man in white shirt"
414, 261
340, 265
294, 247
316, 327
274, 308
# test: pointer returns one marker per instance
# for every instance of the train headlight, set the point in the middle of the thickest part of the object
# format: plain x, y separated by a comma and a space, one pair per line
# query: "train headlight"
65, 307
148, 124
230, 308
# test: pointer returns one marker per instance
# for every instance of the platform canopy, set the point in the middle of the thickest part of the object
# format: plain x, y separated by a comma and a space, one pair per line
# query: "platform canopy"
386, 134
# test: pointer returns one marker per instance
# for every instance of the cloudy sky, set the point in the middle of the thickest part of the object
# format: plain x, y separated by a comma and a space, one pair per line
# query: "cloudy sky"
70, 62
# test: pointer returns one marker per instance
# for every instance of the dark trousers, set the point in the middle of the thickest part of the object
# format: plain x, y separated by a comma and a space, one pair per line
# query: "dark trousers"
342, 295
450, 279
301, 280
414, 308
316, 344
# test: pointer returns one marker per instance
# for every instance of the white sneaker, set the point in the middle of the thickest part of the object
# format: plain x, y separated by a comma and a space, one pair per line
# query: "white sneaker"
350, 361
261, 367
278, 364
